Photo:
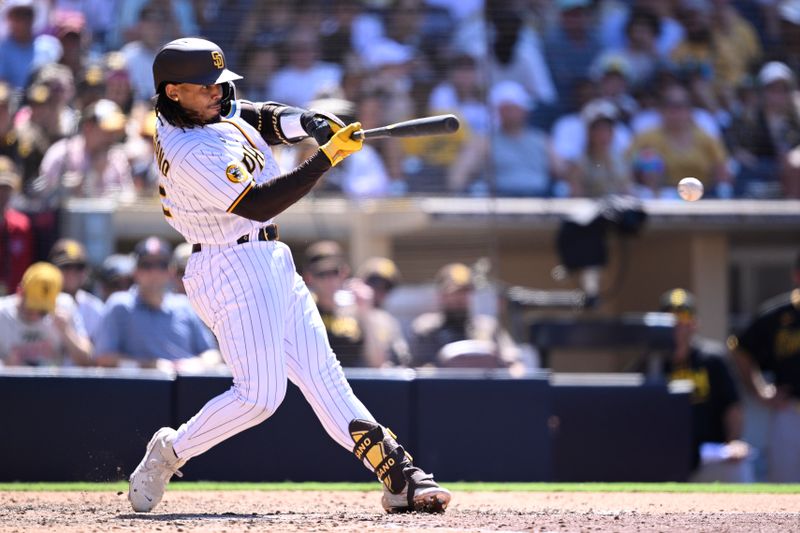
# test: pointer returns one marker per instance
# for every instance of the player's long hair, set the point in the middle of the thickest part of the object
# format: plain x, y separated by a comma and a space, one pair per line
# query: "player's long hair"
172, 112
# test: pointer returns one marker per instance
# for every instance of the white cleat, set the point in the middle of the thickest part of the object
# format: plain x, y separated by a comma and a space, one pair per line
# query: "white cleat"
148, 481
426, 495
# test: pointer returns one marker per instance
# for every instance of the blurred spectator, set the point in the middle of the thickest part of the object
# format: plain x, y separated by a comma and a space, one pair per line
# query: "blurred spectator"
304, 75
684, 149
601, 170
177, 17
259, 63
381, 276
99, 15
70, 29
572, 45
649, 115
462, 94
515, 160
16, 62
770, 347
118, 84
151, 34
139, 150
617, 18
115, 274
180, 258
703, 50
612, 74
785, 42
149, 326
515, 53
59, 81
343, 305
762, 141
438, 337
39, 325
90, 164
717, 416
336, 34
570, 134
90, 87
16, 236
69, 256
521, 156
640, 51
731, 30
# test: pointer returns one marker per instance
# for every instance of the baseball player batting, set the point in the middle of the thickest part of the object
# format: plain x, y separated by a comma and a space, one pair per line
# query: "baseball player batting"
221, 189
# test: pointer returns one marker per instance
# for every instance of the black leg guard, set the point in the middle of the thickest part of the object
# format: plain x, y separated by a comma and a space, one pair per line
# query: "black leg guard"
378, 446
407, 488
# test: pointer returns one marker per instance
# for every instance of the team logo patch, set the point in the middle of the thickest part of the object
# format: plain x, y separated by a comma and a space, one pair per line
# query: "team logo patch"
216, 57
237, 173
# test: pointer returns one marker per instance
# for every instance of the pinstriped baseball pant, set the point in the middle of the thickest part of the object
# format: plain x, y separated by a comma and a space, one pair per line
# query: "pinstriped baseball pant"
269, 330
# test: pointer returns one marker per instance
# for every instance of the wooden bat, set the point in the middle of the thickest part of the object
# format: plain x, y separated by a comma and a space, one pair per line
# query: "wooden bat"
436, 125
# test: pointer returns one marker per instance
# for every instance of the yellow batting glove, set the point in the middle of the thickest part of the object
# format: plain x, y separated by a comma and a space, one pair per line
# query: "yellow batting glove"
341, 144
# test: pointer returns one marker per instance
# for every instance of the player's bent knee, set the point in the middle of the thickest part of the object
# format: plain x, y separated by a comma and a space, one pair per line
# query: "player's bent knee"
263, 406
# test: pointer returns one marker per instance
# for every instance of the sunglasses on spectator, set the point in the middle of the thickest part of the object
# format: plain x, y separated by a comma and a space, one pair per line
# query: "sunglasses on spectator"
153, 265
78, 267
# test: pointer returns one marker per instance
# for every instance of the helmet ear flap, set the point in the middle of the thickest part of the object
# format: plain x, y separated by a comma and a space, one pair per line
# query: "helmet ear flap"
228, 96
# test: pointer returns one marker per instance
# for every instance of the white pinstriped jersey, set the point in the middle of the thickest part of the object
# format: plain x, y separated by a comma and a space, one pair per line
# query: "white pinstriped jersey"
205, 172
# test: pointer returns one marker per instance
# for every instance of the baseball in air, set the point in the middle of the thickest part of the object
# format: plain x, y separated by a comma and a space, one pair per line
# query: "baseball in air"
690, 189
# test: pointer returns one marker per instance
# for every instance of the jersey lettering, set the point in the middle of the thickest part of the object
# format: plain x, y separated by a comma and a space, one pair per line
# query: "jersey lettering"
161, 161
251, 158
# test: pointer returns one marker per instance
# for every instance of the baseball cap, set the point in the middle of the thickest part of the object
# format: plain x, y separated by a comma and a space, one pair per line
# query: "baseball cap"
38, 93
379, 268
324, 255
67, 252
510, 92
152, 247
115, 267
8, 173
677, 301
610, 63
599, 109
67, 22
454, 277
41, 285
106, 114
775, 71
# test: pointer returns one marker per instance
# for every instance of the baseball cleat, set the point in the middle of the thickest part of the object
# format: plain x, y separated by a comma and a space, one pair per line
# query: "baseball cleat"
148, 481
421, 494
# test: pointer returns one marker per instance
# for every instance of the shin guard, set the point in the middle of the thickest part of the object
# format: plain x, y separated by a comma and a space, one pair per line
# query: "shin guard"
377, 446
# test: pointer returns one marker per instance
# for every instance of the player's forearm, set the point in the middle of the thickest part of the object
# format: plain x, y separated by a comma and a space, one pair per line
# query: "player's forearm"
752, 380
277, 123
78, 347
267, 200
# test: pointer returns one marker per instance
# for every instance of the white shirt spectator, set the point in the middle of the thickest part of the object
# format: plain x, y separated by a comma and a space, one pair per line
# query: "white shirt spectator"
90, 308
34, 343
569, 136
444, 98
297, 87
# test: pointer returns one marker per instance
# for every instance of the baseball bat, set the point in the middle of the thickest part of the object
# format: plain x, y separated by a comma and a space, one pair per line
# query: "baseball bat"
436, 125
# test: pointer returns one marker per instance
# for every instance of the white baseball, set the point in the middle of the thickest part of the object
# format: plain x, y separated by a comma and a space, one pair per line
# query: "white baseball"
690, 189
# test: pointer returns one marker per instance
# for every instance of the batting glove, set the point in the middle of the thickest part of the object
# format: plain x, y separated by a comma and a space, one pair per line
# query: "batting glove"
342, 144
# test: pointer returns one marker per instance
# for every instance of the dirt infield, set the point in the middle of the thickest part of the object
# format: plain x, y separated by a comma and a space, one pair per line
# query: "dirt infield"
235, 511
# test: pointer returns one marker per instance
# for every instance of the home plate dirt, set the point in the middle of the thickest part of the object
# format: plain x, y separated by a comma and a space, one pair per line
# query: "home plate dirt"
235, 511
